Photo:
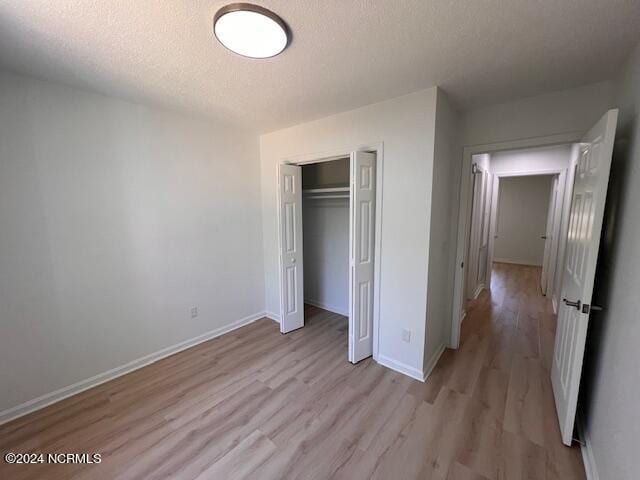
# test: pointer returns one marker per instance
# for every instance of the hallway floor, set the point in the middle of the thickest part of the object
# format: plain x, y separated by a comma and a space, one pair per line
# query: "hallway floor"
509, 428
257, 404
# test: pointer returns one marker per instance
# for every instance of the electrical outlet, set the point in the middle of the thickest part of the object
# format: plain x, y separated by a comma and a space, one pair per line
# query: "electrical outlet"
194, 312
406, 335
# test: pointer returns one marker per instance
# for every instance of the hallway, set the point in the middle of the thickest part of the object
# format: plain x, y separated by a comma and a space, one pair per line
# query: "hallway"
509, 427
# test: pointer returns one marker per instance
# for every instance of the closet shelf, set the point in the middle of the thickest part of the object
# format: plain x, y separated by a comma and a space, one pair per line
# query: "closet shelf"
326, 193
324, 197
326, 190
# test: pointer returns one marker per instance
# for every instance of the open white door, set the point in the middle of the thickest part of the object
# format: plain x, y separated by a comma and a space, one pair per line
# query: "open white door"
585, 224
291, 260
549, 235
479, 240
361, 237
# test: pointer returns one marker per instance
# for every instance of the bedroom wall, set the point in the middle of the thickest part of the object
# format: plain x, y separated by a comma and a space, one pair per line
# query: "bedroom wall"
441, 237
405, 128
117, 219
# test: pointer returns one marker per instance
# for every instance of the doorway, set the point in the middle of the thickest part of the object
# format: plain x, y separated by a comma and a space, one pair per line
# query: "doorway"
480, 230
328, 206
516, 214
575, 222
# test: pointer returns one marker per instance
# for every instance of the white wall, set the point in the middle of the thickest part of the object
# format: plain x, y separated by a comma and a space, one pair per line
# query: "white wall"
611, 382
441, 239
116, 219
406, 127
523, 205
574, 110
326, 253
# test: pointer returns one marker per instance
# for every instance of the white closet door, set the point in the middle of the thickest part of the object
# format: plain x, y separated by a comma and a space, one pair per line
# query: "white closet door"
585, 224
362, 228
291, 259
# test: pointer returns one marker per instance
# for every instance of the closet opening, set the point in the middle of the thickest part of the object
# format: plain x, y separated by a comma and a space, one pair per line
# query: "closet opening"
327, 221
325, 239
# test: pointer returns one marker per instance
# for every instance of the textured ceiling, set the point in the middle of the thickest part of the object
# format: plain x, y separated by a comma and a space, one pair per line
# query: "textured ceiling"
345, 53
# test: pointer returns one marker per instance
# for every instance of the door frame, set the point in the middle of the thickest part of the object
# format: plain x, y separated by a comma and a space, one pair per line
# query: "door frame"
337, 154
464, 210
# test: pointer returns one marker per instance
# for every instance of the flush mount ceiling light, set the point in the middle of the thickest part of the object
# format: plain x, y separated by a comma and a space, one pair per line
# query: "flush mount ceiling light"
251, 31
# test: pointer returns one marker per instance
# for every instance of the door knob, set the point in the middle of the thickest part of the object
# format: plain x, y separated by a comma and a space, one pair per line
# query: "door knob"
577, 305
293, 260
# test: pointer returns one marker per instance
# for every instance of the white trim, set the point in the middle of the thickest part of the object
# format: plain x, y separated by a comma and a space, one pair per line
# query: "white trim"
588, 457
554, 304
400, 367
420, 375
433, 361
273, 316
329, 308
531, 173
78, 387
478, 291
345, 152
516, 262
465, 207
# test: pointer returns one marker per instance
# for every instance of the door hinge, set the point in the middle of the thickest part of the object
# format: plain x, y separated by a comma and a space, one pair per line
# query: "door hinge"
462, 265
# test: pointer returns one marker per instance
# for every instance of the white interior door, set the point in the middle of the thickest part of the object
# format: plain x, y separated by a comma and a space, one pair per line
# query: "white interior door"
493, 225
554, 266
485, 228
479, 237
548, 235
361, 239
291, 259
585, 224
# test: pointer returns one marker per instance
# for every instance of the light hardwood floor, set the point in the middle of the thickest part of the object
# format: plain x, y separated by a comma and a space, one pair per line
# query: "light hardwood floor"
258, 404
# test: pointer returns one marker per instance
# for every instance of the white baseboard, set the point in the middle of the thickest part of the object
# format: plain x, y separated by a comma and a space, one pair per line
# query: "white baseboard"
554, 304
587, 452
273, 316
401, 367
330, 308
433, 361
516, 262
478, 291
78, 387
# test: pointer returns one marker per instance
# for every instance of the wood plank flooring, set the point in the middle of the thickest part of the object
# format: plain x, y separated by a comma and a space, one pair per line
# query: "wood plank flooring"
255, 404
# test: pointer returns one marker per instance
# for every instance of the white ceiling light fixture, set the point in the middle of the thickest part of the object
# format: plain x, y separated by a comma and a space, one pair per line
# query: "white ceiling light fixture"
251, 31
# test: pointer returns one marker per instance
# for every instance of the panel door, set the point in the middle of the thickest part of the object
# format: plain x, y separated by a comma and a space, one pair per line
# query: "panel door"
291, 259
362, 241
585, 224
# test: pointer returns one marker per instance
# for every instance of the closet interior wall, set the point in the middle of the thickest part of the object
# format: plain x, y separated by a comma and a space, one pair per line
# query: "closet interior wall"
325, 220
